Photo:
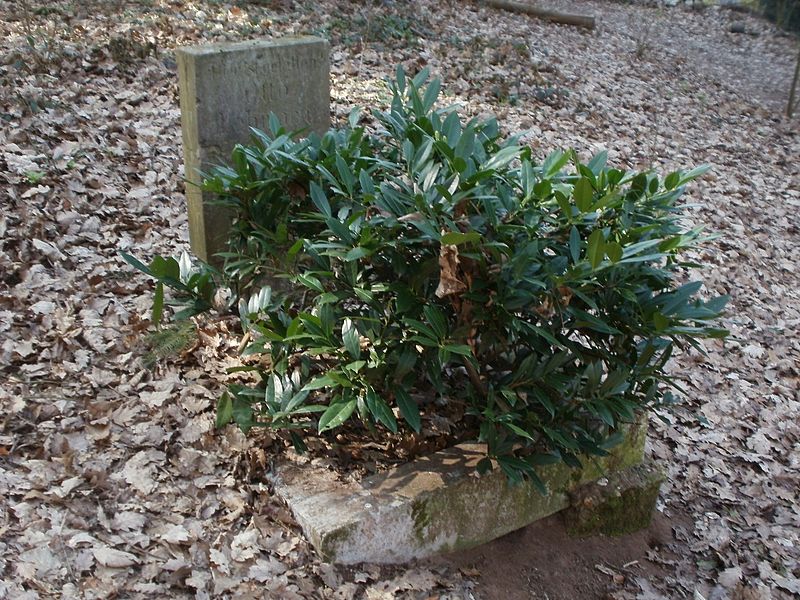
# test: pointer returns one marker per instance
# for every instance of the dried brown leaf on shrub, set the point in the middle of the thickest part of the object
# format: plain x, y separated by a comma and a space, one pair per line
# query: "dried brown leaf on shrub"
449, 282
565, 295
546, 308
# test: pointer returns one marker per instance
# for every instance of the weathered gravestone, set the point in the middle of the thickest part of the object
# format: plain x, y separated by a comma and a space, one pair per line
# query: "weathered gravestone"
225, 89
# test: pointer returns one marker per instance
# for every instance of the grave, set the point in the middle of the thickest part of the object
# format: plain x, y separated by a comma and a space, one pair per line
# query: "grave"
434, 504
439, 503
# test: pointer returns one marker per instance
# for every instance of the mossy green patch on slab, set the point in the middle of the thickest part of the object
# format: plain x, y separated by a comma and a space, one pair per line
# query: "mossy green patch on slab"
619, 505
626, 454
330, 541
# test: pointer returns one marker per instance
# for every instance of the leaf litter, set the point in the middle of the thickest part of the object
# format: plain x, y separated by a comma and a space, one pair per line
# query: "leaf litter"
113, 480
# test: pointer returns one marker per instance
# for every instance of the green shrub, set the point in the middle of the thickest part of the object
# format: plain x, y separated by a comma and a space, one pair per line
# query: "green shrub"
434, 259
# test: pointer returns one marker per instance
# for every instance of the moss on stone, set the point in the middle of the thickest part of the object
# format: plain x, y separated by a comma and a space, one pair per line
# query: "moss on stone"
628, 453
450, 513
421, 516
623, 506
329, 543
478, 509
438, 509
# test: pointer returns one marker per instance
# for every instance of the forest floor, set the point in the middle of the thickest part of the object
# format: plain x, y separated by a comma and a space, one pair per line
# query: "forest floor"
114, 482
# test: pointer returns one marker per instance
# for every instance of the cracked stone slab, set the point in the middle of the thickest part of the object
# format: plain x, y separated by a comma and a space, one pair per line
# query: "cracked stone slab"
432, 505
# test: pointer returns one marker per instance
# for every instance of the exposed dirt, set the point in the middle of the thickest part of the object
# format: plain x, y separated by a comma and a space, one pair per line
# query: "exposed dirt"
542, 562
113, 481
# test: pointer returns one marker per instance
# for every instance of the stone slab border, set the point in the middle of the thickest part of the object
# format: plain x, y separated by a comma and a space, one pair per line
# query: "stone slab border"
439, 503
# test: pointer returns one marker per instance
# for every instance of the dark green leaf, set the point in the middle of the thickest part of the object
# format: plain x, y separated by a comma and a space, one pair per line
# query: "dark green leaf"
158, 304
311, 282
672, 180
455, 238
165, 268
319, 199
431, 93
583, 194
356, 253
598, 163
519, 431
484, 465
613, 251
224, 410
409, 409
574, 244
136, 263
596, 248
461, 349
335, 415
437, 320
323, 381
381, 411
660, 321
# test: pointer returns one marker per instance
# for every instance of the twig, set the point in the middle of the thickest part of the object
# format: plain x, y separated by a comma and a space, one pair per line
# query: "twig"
474, 377
245, 340
63, 546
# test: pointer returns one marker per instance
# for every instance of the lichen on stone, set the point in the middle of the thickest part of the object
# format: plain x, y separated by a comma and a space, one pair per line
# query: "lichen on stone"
624, 505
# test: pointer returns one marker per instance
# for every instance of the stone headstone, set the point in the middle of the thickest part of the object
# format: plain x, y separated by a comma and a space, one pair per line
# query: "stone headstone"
225, 89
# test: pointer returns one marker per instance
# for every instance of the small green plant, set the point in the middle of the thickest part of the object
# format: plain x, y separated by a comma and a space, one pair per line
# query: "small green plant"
194, 285
434, 259
34, 177
168, 342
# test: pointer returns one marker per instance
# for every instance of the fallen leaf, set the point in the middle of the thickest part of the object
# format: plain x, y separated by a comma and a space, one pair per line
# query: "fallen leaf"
115, 559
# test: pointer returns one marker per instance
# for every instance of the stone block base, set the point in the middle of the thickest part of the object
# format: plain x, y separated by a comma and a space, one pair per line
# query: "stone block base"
439, 503
619, 504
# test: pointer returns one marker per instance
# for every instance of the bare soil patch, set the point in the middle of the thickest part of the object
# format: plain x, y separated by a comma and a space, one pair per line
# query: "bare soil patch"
542, 561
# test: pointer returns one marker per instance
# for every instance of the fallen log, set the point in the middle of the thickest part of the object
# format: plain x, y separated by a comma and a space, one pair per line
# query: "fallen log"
586, 21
